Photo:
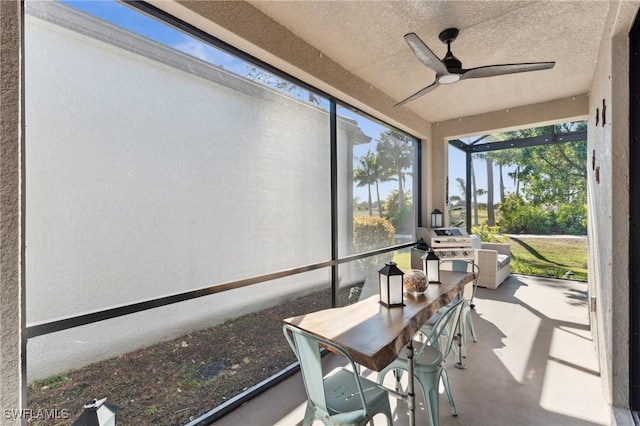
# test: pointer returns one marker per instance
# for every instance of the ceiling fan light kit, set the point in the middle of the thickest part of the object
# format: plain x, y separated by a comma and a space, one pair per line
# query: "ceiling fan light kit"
448, 78
449, 69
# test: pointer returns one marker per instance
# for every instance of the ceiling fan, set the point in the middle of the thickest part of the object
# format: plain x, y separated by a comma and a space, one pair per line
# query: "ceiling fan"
449, 69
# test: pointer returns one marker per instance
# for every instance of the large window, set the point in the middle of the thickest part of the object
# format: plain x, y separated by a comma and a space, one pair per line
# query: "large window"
161, 169
375, 194
377, 182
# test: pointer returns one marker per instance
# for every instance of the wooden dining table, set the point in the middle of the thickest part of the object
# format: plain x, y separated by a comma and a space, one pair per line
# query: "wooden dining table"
374, 335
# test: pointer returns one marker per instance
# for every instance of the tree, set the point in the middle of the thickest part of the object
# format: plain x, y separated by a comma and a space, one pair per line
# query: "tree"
474, 193
504, 158
500, 158
491, 217
555, 174
550, 174
371, 233
550, 178
490, 213
368, 173
550, 182
282, 85
394, 150
400, 218
461, 185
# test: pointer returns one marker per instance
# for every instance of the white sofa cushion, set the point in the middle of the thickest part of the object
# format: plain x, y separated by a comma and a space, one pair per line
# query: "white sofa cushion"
503, 260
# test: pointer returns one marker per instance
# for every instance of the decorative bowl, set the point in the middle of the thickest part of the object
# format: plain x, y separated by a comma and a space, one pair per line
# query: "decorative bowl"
415, 281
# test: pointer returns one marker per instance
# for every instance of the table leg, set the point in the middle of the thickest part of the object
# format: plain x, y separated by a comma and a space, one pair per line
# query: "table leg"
459, 331
410, 391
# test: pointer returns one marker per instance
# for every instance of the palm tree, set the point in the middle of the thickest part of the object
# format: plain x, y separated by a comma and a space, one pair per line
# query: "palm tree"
368, 173
474, 194
474, 191
394, 150
491, 217
503, 158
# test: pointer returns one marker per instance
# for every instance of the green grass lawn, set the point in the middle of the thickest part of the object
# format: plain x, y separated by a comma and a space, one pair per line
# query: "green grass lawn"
541, 256
402, 259
549, 257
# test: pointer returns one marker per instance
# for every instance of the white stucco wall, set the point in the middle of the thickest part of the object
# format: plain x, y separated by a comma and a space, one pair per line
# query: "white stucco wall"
608, 190
144, 180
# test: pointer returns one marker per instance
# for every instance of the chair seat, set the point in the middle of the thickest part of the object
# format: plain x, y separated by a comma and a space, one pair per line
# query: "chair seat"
343, 401
341, 397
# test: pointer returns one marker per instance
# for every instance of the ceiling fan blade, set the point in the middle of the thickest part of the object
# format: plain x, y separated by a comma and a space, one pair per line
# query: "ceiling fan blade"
419, 93
495, 70
424, 54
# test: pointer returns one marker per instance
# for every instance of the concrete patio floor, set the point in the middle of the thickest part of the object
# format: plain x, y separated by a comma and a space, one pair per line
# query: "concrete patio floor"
534, 364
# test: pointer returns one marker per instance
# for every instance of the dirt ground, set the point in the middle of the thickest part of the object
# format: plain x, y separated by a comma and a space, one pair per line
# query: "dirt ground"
173, 382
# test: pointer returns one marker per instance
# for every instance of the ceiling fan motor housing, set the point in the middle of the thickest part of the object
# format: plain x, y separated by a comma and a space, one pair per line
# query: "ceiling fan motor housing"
452, 63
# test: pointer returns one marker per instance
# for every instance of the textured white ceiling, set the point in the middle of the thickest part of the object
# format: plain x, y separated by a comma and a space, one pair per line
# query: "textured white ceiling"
366, 38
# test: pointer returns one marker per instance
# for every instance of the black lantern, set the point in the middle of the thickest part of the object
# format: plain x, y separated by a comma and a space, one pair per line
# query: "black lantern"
436, 219
97, 413
431, 266
391, 281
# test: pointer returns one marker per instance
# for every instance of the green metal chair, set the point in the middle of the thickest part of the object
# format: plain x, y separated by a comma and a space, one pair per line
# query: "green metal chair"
466, 322
342, 397
429, 361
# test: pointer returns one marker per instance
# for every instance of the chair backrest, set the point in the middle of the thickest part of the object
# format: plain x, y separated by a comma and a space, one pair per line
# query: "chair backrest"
453, 314
459, 265
448, 318
306, 347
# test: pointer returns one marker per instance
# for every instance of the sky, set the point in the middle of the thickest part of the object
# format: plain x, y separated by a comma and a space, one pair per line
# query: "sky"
128, 18
457, 168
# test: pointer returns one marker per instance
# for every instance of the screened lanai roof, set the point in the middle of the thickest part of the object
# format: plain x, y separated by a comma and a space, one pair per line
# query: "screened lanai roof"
546, 135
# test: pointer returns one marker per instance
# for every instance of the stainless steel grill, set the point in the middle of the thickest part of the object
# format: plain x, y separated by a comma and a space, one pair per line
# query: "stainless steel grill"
451, 243
448, 243
457, 253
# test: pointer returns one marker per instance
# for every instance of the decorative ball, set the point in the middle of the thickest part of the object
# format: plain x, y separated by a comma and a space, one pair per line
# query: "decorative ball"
415, 281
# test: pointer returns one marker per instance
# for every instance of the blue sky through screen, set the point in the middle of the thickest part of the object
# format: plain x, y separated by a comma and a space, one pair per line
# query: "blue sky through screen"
457, 168
139, 23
